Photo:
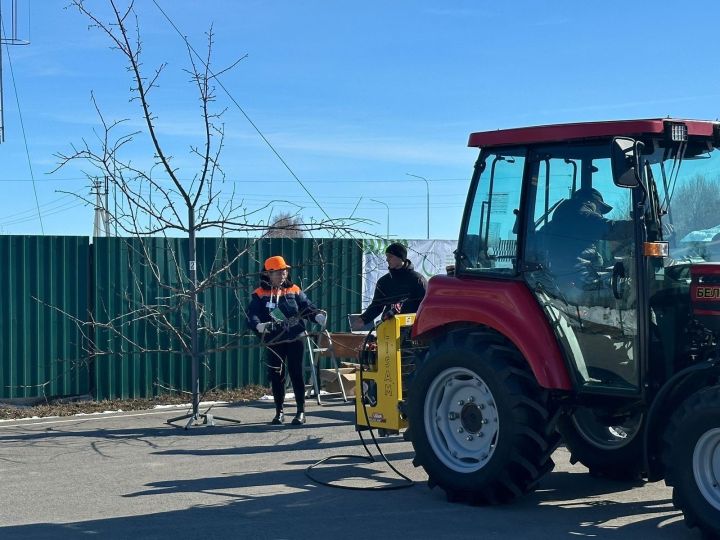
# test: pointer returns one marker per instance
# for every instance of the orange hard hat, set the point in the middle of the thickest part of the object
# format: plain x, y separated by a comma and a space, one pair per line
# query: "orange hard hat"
276, 263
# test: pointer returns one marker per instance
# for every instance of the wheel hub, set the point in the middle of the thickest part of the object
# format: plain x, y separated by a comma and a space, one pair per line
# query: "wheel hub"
471, 418
461, 419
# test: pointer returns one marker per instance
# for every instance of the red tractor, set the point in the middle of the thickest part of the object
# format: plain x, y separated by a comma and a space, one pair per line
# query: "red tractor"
583, 307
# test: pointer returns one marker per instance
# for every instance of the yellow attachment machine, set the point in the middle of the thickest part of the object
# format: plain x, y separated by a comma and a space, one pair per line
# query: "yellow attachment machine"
380, 385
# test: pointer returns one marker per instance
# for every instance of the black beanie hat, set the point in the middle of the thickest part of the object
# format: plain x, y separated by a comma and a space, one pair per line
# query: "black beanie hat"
398, 250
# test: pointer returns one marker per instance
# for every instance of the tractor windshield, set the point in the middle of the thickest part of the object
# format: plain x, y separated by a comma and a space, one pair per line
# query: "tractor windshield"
688, 195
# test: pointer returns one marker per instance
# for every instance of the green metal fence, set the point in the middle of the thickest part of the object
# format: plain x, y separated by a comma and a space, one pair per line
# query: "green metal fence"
126, 286
44, 284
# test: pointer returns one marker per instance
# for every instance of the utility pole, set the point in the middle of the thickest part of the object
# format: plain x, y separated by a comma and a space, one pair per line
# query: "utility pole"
12, 39
99, 218
106, 209
101, 221
427, 200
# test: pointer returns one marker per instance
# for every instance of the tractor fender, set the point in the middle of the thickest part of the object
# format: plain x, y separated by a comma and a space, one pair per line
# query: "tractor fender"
675, 390
508, 307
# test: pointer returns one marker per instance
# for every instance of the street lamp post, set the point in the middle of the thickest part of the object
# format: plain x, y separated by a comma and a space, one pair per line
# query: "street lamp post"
387, 233
427, 199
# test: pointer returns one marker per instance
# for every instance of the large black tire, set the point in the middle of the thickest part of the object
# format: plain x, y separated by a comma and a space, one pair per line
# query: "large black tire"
479, 422
691, 451
614, 452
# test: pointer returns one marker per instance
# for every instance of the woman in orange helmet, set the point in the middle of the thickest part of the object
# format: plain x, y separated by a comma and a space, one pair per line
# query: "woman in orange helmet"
277, 313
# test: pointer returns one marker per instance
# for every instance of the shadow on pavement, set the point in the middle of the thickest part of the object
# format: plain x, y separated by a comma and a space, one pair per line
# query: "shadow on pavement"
282, 502
312, 511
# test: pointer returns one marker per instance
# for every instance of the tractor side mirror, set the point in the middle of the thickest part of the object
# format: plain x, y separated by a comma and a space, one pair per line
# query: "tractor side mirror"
625, 157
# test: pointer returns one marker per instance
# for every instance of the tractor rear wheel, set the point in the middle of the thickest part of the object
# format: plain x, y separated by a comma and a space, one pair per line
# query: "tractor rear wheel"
479, 422
691, 457
608, 451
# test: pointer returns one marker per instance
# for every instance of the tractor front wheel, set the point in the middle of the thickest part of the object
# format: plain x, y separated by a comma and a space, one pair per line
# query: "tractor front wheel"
691, 457
479, 422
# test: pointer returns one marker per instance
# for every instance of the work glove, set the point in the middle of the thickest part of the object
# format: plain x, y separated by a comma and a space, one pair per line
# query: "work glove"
321, 318
262, 327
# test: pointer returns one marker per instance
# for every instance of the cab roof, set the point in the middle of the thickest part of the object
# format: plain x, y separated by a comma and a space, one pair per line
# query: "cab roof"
587, 130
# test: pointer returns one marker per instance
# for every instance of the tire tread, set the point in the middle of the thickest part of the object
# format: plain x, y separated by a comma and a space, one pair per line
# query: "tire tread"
534, 444
692, 408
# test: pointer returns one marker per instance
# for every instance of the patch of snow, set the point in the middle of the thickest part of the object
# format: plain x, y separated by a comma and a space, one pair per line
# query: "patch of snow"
96, 413
187, 405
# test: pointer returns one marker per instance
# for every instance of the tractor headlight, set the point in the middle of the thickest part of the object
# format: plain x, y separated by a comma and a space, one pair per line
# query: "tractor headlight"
677, 132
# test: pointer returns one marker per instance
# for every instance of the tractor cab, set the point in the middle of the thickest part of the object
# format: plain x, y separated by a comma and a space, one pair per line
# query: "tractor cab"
604, 255
584, 306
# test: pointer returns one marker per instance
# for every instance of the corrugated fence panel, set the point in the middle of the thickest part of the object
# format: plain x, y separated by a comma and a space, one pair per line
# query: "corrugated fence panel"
133, 281
125, 285
232, 359
45, 282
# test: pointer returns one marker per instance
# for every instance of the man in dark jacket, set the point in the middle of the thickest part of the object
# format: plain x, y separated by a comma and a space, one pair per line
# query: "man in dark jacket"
578, 225
399, 291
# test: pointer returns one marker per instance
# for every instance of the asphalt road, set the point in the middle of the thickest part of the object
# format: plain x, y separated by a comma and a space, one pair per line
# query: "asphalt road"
133, 476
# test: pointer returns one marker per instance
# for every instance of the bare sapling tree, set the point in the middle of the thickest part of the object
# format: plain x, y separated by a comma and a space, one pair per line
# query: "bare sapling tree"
159, 197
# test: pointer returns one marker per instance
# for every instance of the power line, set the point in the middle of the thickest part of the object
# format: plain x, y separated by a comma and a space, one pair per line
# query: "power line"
441, 200
351, 198
59, 211
272, 148
22, 127
52, 212
66, 179
400, 181
397, 181
47, 207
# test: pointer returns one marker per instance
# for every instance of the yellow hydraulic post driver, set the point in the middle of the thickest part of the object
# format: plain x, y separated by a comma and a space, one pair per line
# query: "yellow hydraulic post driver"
380, 385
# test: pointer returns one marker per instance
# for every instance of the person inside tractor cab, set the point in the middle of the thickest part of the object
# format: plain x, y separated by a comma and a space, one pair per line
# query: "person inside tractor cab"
578, 228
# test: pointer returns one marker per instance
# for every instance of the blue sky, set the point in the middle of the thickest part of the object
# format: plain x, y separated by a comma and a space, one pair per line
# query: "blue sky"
353, 96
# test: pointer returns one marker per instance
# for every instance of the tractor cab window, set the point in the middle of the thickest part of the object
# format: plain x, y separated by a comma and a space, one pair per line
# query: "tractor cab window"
688, 187
489, 240
579, 260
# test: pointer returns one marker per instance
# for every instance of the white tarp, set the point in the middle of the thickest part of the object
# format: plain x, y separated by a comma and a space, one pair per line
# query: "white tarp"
705, 235
429, 257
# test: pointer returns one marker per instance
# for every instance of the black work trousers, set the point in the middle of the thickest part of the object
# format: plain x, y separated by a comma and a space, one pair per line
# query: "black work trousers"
285, 358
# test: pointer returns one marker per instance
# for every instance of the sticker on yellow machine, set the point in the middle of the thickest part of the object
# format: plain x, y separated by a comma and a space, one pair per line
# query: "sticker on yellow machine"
707, 292
378, 417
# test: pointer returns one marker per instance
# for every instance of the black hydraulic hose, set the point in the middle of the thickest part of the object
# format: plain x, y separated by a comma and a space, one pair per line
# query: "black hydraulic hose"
369, 458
